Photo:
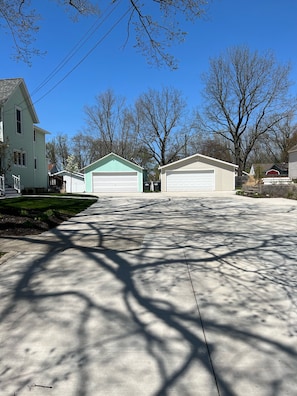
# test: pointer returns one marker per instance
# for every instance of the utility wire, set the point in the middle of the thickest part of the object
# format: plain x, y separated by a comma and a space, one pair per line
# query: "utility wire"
86, 56
99, 22
74, 50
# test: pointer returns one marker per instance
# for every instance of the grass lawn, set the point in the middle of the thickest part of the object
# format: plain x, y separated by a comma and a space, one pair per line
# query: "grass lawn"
33, 215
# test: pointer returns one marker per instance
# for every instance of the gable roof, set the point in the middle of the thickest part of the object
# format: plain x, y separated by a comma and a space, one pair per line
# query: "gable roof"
65, 172
8, 87
116, 156
283, 167
52, 168
198, 156
263, 167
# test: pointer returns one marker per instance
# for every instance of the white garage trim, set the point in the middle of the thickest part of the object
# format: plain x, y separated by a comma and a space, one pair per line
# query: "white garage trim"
202, 180
115, 182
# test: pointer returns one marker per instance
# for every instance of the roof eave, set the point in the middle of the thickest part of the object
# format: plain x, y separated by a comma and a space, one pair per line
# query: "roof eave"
31, 108
116, 155
199, 156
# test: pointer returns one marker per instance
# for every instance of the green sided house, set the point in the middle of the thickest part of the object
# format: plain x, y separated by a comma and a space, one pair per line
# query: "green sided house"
113, 173
23, 163
198, 173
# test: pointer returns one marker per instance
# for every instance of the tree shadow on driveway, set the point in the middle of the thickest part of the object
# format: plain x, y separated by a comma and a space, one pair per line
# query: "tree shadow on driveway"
172, 298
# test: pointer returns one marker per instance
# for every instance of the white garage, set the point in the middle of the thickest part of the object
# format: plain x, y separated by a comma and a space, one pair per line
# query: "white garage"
198, 173
72, 182
190, 180
115, 181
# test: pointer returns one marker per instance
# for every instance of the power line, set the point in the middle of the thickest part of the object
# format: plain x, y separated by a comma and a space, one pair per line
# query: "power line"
74, 50
86, 56
99, 22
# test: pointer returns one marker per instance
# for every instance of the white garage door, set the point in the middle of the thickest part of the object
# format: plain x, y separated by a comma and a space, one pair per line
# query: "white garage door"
190, 180
115, 182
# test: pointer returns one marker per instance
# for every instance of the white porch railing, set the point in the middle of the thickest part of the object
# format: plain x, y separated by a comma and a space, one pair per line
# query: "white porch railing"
17, 183
2, 185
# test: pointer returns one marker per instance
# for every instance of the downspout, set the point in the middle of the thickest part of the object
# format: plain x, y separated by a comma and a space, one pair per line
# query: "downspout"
1, 126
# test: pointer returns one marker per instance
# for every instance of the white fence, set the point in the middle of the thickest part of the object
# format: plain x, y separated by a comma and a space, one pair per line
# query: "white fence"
276, 180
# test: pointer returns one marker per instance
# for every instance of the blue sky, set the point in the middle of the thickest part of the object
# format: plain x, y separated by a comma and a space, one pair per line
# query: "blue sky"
259, 24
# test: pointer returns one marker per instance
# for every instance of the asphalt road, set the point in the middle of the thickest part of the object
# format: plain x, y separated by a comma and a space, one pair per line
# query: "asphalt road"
165, 295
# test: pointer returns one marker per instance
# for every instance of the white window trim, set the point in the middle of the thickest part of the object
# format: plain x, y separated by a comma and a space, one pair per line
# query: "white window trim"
20, 158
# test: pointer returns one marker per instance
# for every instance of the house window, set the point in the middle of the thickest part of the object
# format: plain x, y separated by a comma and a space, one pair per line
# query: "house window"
19, 158
18, 115
35, 163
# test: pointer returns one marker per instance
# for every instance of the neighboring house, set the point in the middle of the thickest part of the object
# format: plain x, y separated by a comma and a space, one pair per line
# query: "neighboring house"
293, 162
269, 170
52, 169
198, 173
113, 173
22, 143
72, 182
55, 182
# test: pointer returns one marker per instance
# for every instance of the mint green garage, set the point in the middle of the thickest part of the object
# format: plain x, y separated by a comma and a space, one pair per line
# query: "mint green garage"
113, 173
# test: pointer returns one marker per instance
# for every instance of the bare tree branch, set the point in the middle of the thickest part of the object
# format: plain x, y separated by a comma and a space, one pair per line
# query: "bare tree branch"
246, 95
156, 24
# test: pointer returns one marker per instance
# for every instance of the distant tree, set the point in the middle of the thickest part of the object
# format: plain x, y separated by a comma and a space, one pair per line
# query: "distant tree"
275, 145
210, 145
215, 148
282, 137
71, 164
51, 152
111, 124
58, 150
156, 24
86, 149
161, 118
246, 96
6, 157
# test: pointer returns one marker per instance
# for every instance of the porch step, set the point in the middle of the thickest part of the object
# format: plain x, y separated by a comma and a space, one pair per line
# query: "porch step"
10, 192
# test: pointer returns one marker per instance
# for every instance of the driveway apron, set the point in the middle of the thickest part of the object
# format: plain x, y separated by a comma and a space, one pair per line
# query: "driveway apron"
159, 296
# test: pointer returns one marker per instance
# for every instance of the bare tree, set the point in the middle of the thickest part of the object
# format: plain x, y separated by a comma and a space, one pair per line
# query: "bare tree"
21, 21
156, 24
162, 123
111, 123
212, 146
6, 157
246, 95
282, 137
58, 150
86, 149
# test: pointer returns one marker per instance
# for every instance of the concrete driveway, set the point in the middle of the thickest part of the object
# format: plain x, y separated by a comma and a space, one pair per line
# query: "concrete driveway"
154, 295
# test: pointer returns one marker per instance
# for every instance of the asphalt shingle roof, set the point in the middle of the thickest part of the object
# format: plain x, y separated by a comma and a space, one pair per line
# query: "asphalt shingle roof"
7, 87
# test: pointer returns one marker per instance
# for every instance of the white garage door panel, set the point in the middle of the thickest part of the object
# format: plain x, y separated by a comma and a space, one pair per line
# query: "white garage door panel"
115, 182
190, 181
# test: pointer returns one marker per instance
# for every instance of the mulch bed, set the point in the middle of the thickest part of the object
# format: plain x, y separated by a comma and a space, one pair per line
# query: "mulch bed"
22, 225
